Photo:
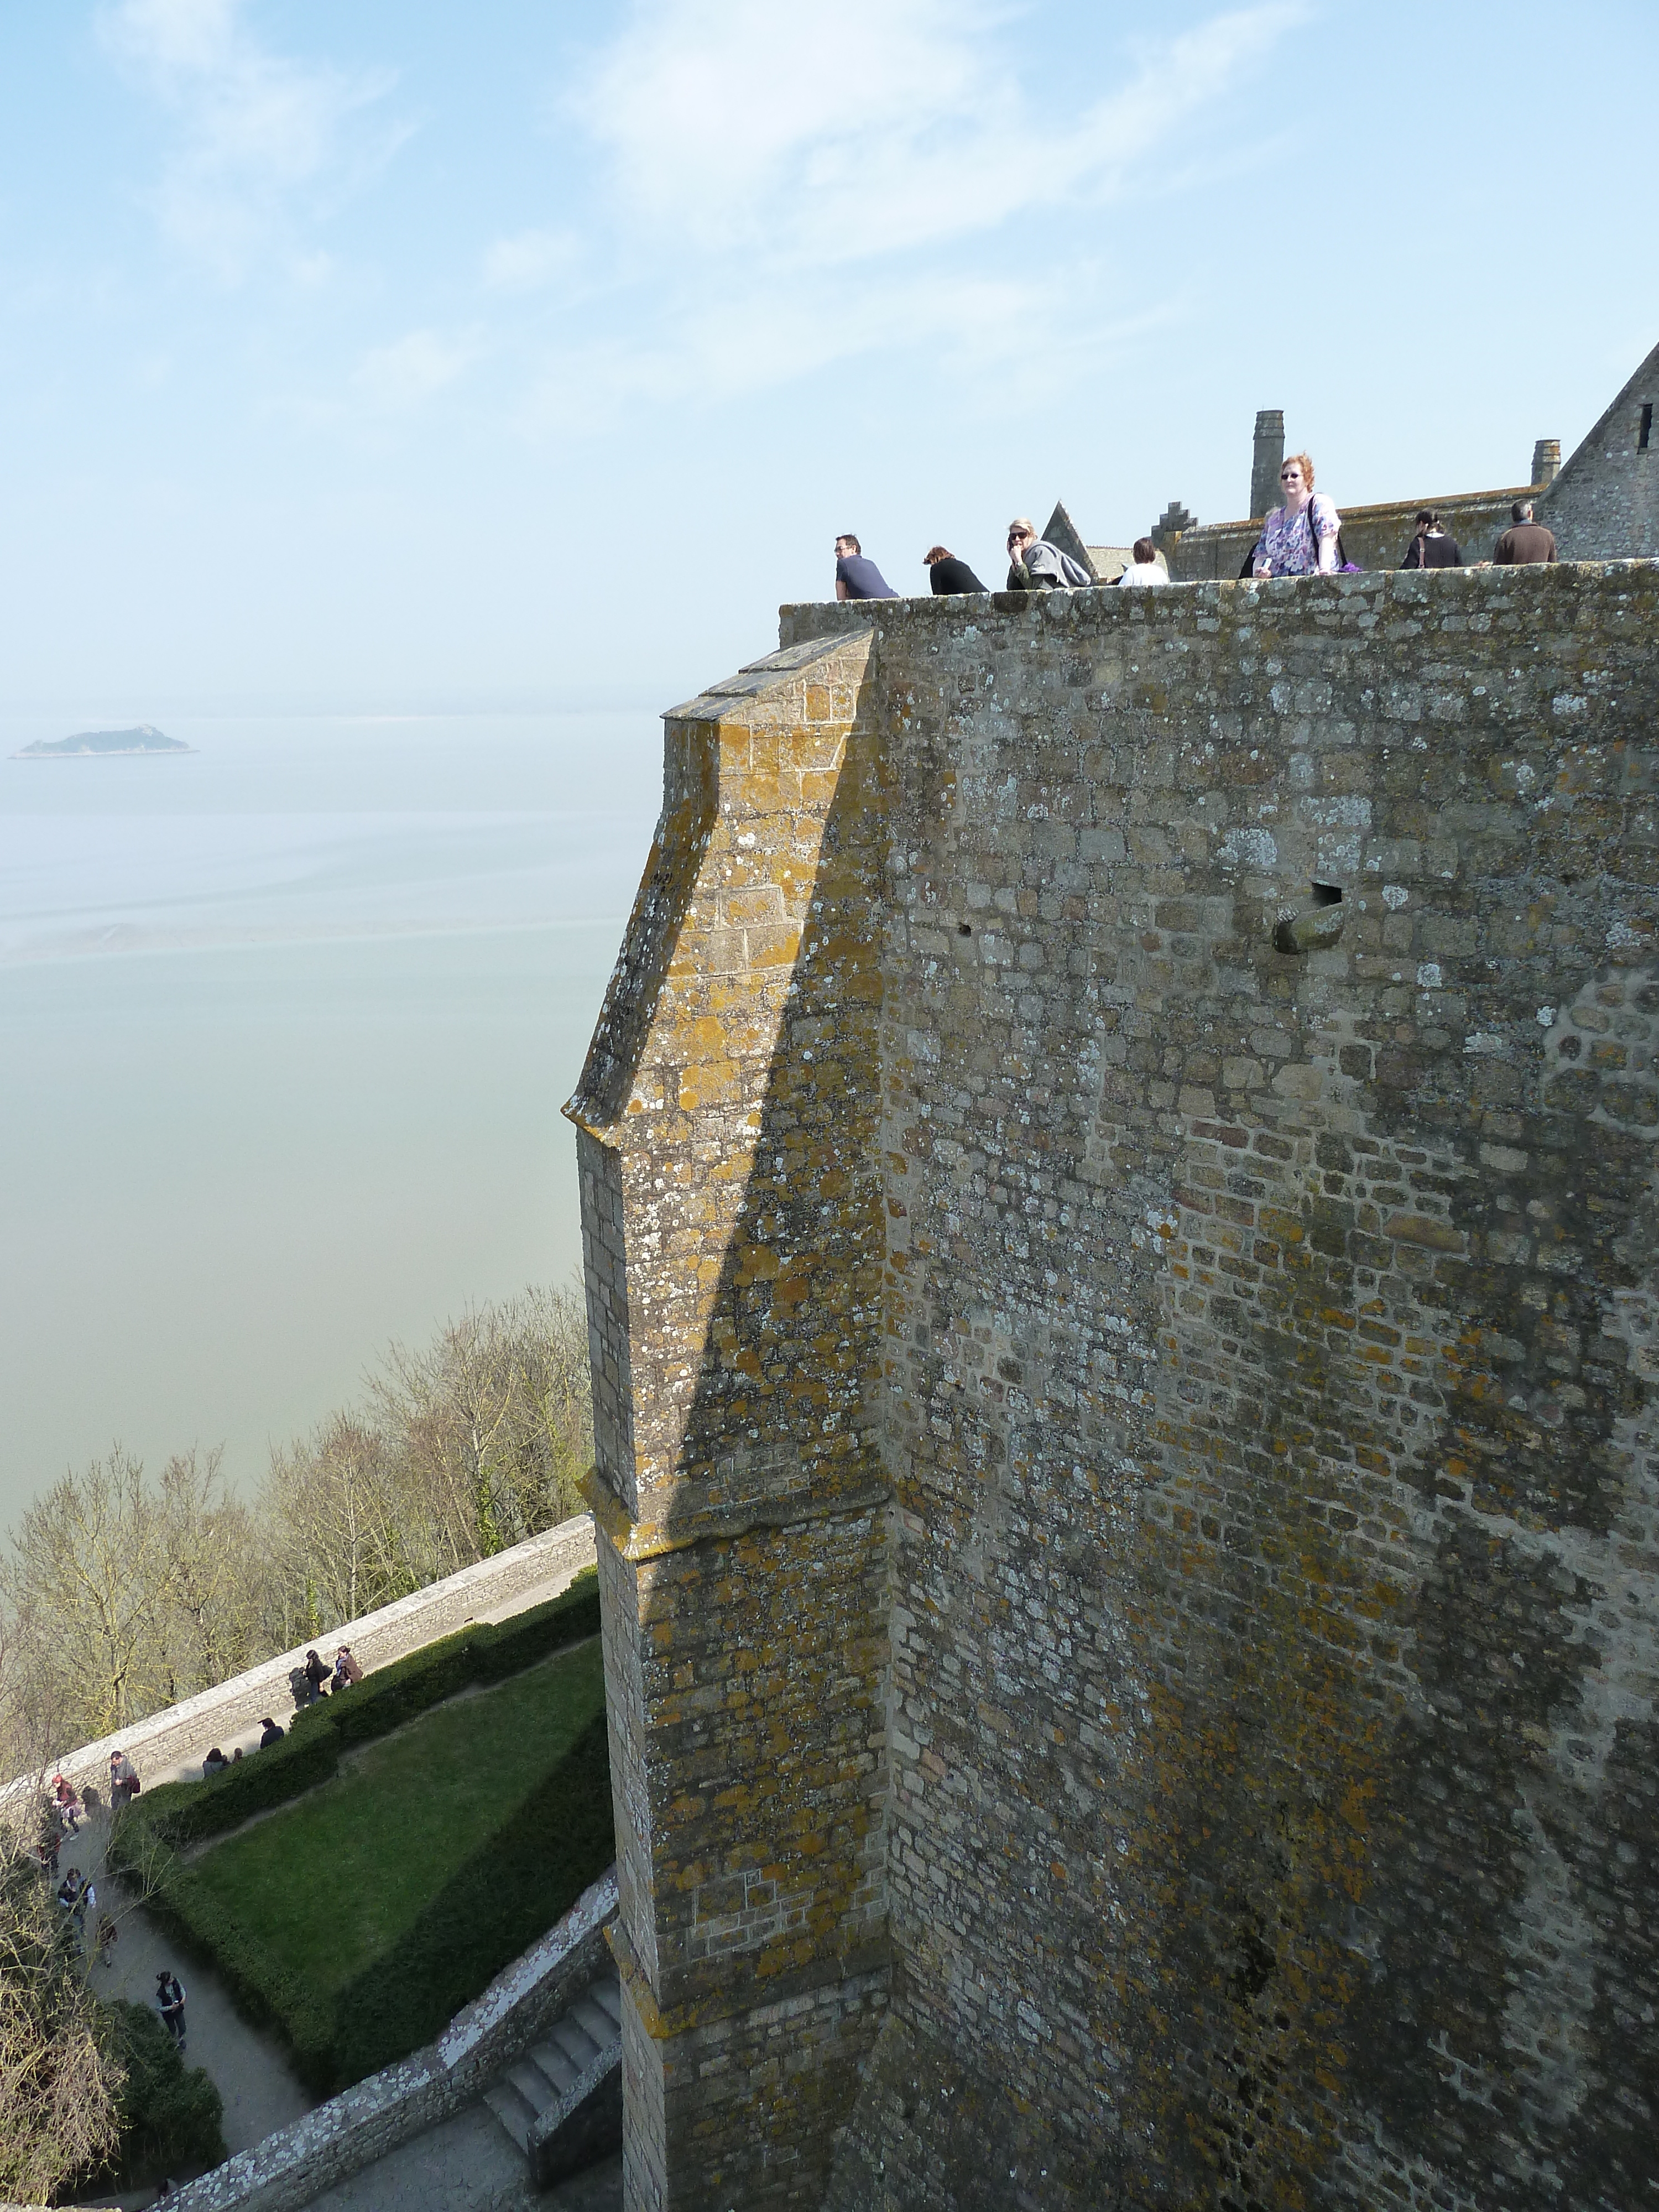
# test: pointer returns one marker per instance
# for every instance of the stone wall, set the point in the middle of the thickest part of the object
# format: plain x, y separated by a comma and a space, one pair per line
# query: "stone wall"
1130, 1474
171, 1745
731, 1206
351, 2131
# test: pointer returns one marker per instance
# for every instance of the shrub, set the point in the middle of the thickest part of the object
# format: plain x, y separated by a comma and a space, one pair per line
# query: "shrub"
184, 1813
515, 1881
171, 2119
531, 1871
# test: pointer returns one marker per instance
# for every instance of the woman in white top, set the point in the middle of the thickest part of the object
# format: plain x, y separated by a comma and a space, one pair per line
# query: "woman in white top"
1299, 539
1145, 568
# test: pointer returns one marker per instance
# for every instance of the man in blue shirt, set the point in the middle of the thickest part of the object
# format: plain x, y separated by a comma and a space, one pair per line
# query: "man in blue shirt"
856, 577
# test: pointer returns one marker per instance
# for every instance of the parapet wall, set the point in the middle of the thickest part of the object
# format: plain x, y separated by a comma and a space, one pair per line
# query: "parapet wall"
1128, 1505
171, 1745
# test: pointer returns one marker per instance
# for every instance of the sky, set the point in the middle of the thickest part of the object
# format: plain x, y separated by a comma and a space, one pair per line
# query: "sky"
400, 358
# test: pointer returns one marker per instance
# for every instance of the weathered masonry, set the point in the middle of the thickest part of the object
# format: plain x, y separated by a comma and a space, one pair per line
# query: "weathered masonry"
1127, 1494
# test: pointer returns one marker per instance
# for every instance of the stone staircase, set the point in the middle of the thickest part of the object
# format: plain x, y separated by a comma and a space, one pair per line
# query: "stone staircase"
562, 2102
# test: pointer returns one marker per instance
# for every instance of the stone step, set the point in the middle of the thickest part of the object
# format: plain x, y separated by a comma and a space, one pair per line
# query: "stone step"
608, 1993
574, 2040
586, 2033
599, 2025
513, 2110
538, 2091
555, 2064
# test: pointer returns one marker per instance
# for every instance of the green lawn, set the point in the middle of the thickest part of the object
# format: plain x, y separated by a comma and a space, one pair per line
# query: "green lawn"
364, 1914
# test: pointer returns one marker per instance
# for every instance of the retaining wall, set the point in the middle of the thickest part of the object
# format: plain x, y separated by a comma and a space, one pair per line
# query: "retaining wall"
171, 1745
352, 2131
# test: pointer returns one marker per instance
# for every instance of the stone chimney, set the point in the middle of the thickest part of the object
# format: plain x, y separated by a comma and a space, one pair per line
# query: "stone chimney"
1546, 461
1268, 461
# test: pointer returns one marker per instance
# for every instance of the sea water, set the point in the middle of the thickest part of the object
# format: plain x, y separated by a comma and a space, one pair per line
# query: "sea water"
285, 1027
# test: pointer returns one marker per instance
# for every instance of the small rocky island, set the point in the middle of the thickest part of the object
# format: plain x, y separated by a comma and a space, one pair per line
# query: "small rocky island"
101, 743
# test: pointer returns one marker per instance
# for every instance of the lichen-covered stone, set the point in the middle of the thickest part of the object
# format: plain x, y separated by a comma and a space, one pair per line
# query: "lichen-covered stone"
1127, 1496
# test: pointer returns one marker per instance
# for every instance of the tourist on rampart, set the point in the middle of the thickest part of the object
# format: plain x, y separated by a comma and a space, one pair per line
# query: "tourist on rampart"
123, 1781
1300, 538
346, 1669
946, 573
68, 1804
1145, 568
270, 1732
1524, 540
215, 1763
316, 1672
856, 577
1035, 565
1432, 548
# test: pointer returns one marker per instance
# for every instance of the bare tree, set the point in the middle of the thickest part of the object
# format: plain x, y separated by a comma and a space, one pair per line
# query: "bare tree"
120, 1595
492, 1423
58, 2079
210, 1555
343, 1539
81, 1588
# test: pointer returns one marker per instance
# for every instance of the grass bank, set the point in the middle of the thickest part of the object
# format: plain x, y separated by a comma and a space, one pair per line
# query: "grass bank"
361, 1917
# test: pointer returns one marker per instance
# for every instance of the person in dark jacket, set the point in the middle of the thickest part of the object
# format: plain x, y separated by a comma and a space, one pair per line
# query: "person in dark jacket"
856, 577
946, 573
1524, 540
1432, 548
316, 1672
270, 1732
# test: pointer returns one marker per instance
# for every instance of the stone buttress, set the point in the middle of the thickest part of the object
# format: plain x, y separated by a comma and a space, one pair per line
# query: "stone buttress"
731, 1219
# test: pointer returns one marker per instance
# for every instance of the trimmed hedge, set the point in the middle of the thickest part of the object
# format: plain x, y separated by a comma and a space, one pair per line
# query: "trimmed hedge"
529, 1873
180, 1813
171, 2117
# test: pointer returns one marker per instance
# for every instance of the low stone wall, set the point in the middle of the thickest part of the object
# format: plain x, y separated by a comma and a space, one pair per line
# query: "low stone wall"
171, 1745
362, 2125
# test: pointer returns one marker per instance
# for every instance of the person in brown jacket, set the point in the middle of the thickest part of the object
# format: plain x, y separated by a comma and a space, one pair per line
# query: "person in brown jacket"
1524, 540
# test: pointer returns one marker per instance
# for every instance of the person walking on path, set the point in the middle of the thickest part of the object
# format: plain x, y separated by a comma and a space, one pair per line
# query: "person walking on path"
123, 1781
316, 1673
1145, 568
1299, 539
347, 1672
1524, 539
1432, 548
1035, 565
946, 574
856, 577
270, 1732
170, 2003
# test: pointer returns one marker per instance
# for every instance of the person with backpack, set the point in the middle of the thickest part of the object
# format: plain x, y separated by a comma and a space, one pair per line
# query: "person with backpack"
1432, 548
1303, 538
170, 2003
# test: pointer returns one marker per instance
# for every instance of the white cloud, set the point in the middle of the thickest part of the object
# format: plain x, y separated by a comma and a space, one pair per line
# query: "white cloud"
529, 260
415, 367
256, 129
739, 126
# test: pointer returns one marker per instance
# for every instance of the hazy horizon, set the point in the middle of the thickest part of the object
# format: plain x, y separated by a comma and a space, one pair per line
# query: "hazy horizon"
289, 1021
